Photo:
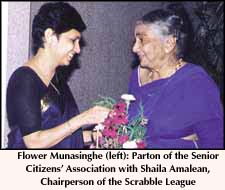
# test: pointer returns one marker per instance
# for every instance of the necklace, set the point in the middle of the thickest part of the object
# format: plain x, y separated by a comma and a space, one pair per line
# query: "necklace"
151, 75
56, 89
47, 79
179, 65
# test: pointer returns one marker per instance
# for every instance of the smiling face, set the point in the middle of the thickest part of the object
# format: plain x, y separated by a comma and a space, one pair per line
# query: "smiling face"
67, 46
148, 46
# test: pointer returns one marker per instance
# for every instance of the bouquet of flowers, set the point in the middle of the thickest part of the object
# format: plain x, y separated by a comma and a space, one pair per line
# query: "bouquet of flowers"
117, 131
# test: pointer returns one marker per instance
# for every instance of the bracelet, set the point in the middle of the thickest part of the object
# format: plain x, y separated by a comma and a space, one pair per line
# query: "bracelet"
69, 127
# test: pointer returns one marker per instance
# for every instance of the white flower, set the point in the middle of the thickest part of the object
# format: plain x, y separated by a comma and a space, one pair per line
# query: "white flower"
99, 127
130, 144
128, 97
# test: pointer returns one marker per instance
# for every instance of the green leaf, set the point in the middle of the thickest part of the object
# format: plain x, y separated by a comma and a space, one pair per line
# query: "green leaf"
104, 101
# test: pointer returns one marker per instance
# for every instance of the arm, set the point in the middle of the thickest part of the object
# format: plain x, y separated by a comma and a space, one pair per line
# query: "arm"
210, 134
23, 108
205, 110
50, 137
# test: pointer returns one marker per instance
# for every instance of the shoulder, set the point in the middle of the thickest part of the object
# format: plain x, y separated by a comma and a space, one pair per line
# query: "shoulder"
200, 91
24, 82
195, 93
199, 80
193, 85
24, 77
23, 73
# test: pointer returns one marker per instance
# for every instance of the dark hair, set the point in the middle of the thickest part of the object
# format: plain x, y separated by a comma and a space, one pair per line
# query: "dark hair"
176, 22
60, 17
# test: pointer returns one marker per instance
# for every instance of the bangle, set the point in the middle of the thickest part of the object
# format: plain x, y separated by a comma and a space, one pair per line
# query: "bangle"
69, 127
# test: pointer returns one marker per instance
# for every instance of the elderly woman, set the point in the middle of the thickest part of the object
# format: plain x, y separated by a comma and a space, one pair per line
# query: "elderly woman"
181, 102
41, 110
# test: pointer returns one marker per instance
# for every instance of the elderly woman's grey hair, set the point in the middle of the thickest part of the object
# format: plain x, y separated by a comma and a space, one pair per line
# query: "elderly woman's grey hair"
173, 20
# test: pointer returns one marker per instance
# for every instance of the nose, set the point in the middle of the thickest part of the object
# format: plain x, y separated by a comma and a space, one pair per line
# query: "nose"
136, 47
76, 47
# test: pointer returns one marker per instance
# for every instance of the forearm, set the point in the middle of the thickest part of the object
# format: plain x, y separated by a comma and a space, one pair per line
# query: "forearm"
50, 137
210, 134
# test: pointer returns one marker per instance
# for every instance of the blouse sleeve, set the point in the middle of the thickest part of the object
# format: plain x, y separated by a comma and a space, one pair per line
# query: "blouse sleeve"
23, 102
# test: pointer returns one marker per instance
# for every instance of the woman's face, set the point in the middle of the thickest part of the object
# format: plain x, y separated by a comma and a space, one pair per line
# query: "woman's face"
67, 46
148, 46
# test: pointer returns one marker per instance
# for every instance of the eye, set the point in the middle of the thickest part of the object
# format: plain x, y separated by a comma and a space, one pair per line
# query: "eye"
137, 40
75, 40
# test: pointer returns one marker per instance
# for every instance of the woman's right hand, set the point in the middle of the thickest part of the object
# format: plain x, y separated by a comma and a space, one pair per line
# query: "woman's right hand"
95, 115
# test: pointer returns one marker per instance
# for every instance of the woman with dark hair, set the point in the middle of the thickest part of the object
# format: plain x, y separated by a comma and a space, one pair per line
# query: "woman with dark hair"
41, 110
181, 101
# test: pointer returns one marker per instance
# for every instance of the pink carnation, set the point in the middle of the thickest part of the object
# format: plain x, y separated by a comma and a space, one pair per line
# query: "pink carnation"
121, 119
109, 132
122, 139
120, 107
108, 122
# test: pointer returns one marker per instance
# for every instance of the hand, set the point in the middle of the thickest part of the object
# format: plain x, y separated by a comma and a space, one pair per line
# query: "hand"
96, 115
91, 136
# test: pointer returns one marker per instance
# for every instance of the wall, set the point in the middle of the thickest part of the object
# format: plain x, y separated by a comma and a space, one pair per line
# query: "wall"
18, 42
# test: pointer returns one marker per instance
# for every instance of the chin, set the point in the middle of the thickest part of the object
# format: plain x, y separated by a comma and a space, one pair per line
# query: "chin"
65, 63
144, 64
